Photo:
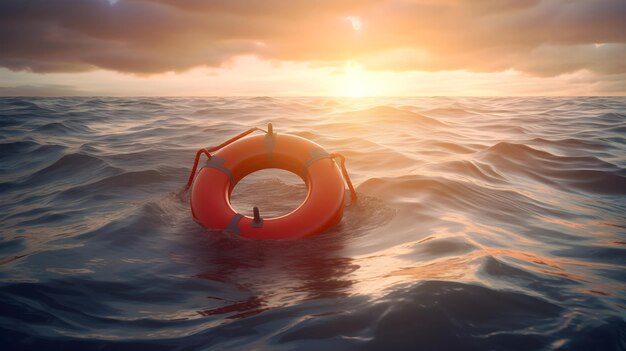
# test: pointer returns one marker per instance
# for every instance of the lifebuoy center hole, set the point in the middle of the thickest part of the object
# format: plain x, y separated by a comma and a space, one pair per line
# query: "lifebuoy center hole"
275, 192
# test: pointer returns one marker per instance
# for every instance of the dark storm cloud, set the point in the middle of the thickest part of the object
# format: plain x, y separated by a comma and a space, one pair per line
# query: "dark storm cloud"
544, 38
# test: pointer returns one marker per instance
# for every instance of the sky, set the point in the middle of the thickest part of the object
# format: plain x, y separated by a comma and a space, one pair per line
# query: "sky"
312, 48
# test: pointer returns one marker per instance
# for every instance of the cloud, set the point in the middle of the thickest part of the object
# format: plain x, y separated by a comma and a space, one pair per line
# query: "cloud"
542, 38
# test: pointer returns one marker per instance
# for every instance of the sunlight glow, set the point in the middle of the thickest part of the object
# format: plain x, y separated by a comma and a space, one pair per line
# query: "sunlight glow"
251, 75
355, 81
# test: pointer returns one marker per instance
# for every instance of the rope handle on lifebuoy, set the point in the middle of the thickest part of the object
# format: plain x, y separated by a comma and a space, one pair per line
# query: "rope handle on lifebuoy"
346, 176
207, 152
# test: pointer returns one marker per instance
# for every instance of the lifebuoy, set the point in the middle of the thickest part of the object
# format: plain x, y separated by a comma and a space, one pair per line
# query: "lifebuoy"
214, 183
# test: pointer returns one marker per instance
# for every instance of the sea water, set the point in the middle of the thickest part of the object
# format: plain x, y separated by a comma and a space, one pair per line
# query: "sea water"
482, 223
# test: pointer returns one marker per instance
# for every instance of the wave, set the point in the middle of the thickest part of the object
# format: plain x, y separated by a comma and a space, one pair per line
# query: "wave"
106, 188
59, 128
451, 147
18, 147
388, 114
613, 117
587, 173
77, 166
472, 169
452, 111
572, 144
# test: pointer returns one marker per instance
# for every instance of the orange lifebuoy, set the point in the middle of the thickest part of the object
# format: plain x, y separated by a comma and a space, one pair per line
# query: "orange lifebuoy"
214, 183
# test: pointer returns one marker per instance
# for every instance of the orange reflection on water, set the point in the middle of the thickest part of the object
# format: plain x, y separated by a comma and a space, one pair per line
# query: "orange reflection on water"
607, 224
594, 227
454, 268
565, 223
467, 244
457, 267
471, 226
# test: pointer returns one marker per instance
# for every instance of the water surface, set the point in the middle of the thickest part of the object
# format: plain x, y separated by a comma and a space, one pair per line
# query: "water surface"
482, 223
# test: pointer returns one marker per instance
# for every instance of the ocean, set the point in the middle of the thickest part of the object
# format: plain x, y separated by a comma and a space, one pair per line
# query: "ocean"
481, 224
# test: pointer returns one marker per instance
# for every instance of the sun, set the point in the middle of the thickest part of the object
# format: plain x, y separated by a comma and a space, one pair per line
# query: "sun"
354, 82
